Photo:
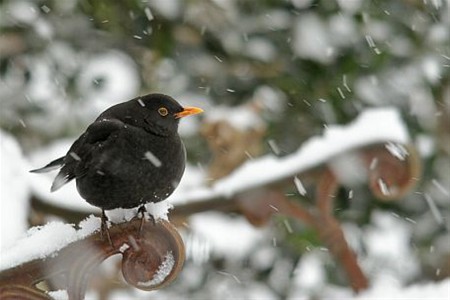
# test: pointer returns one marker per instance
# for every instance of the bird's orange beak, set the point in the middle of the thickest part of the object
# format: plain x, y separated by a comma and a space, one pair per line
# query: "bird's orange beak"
188, 111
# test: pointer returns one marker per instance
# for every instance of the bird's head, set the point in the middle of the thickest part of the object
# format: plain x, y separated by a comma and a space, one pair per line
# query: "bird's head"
160, 114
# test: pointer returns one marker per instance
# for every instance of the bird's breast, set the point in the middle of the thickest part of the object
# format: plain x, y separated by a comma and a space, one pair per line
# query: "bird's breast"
133, 168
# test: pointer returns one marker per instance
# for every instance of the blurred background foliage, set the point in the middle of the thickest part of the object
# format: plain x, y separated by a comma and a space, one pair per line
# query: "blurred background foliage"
305, 64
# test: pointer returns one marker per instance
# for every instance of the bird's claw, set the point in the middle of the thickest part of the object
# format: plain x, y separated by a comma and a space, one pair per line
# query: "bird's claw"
142, 210
104, 228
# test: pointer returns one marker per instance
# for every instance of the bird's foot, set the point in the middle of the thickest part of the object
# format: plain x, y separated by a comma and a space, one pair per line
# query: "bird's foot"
104, 228
142, 210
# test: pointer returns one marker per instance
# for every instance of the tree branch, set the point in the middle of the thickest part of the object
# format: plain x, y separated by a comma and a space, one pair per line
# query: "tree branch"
143, 253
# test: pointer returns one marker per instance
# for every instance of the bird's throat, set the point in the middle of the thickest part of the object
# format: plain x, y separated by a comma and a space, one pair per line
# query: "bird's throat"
157, 129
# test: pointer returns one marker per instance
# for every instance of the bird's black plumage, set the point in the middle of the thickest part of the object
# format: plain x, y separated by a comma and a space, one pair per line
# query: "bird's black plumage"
130, 155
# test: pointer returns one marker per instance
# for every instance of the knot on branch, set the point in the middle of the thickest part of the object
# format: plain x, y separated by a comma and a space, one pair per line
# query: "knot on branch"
393, 170
154, 258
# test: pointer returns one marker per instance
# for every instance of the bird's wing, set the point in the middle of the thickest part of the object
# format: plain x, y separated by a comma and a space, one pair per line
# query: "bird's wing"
76, 159
56, 164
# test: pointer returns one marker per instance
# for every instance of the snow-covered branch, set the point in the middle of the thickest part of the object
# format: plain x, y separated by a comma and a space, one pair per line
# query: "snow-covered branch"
152, 256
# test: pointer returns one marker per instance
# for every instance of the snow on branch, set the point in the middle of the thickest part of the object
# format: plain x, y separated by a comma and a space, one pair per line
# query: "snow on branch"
374, 126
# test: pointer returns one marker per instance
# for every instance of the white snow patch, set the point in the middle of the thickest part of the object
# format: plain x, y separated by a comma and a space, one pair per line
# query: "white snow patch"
51, 237
159, 211
198, 249
343, 30
349, 169
386, 290
432, 69
263, 258
238, 117
351, 6
23, 11
124, 247
120, 215
88, 226
221, 232
270, 99
261, 49
163, 271
312, 40
387, 242
58, 295
168, 8
14, 191
425, 144
106, 79
310, 275
301, 3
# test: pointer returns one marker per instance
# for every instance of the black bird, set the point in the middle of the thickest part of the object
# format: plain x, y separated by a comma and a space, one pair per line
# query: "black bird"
130, 155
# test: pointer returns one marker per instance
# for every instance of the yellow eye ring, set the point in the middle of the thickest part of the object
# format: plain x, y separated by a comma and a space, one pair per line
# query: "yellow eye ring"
163, 111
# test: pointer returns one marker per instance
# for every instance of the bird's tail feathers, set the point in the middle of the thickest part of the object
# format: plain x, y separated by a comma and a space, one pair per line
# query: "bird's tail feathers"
60, 180
56, 164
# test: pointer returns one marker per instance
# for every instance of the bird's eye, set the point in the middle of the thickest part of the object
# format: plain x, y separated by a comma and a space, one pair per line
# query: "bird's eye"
163, 111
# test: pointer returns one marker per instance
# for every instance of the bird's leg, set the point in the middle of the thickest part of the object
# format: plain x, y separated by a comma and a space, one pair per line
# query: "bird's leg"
104, 228
142, 210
